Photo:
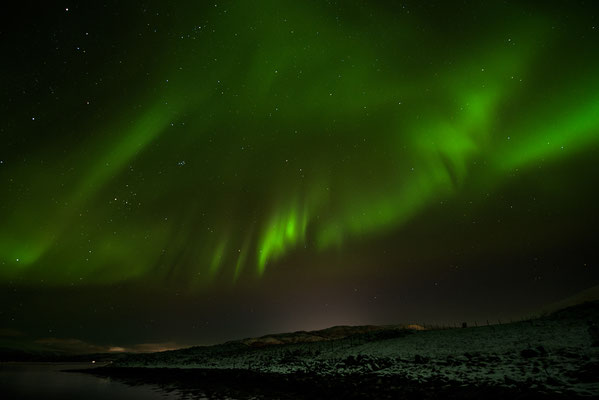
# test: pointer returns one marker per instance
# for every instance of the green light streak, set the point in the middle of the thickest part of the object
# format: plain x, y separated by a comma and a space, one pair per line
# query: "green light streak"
283, 233
285, 125
217, 257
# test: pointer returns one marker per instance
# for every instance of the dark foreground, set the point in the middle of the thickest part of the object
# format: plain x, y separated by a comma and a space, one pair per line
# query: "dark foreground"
551, 357
242, 384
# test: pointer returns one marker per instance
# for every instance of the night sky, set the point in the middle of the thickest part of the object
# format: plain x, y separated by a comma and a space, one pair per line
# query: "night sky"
178, 173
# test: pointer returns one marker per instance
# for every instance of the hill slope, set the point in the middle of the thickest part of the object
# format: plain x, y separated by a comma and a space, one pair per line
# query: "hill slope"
554, 354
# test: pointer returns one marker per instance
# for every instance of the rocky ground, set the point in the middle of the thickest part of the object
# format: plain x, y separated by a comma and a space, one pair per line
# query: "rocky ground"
556, 356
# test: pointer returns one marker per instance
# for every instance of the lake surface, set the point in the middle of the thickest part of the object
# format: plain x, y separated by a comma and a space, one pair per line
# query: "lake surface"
48, 381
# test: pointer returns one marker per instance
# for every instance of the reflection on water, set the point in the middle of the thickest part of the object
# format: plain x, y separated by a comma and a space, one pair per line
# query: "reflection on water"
48, 381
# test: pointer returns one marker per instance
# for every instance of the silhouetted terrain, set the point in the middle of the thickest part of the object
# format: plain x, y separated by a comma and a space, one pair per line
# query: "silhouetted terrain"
555, 356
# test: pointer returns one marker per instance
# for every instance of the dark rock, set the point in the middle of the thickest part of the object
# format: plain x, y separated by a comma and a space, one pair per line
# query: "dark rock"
552, 381
529, 353
509, 381
594, 334
587, 373
569, 354
418, 359
493, 358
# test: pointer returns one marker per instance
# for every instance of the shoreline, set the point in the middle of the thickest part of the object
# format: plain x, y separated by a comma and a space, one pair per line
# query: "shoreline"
241, 383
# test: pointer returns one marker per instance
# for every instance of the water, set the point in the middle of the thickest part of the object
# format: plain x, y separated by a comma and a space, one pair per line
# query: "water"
48, 381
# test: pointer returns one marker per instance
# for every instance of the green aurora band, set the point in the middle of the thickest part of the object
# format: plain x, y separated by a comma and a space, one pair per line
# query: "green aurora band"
240, 135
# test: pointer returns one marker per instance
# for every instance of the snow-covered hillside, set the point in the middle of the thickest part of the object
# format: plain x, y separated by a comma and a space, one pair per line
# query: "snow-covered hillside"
556, 354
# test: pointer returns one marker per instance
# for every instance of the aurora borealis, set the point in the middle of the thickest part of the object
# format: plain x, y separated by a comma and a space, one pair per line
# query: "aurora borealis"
189, 156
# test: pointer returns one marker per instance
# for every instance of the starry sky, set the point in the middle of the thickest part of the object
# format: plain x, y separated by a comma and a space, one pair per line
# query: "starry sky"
197, 171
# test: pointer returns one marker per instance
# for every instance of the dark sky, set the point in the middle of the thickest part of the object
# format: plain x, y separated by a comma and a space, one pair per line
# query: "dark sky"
176, 173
